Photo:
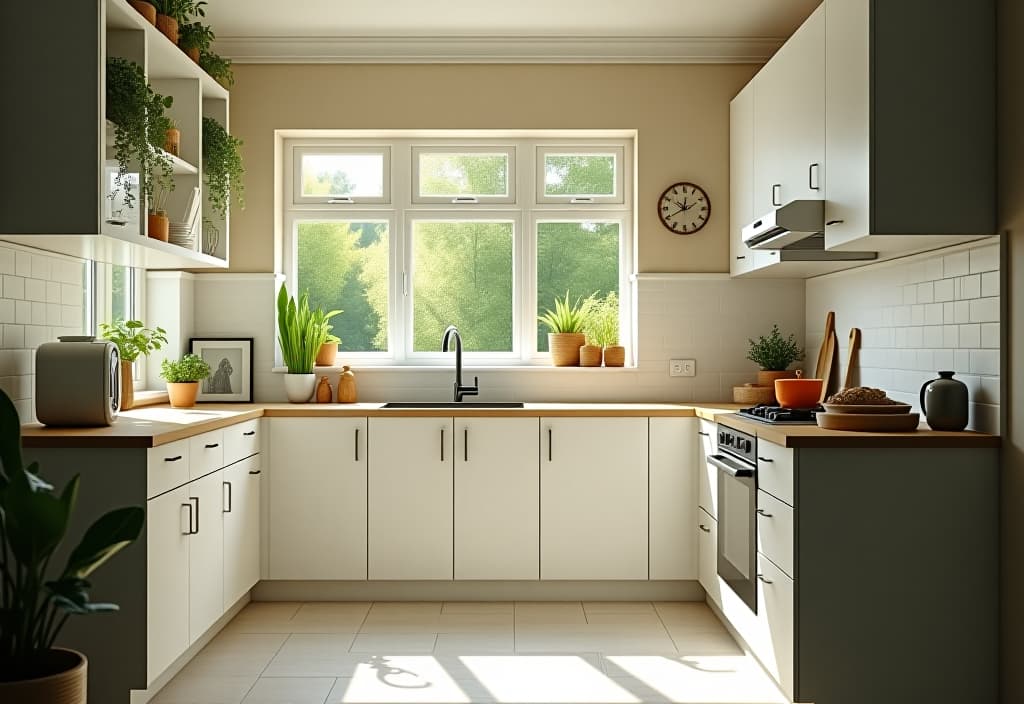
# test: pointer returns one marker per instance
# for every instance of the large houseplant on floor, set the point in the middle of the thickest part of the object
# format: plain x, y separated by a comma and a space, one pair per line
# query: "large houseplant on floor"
35, 602
133, 340
301, 333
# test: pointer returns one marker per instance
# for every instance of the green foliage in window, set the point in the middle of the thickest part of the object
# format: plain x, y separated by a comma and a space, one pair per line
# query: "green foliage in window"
566, 317
222, 166
579, 174
463, 174
601, 320
189, 368
775, 353
133, 338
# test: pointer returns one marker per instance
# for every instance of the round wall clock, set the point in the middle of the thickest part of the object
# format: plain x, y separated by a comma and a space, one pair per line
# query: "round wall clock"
684, 208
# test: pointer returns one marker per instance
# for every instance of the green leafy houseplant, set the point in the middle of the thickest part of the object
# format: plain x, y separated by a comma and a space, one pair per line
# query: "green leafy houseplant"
775, 353
190, 368
137, 112
301, 331
567, 317
195, 35
180, 10
218, 67
222, 164
36, 601
133, 338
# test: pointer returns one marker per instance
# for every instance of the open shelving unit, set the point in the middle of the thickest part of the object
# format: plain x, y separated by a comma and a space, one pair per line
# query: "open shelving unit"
63, 138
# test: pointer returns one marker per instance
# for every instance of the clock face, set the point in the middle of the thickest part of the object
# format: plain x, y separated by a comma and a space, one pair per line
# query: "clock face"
684, 208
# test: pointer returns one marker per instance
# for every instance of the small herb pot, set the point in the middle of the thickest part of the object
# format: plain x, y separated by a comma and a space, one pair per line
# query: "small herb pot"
299, 387
172, 141
158, 226
590, 356
168, 26
146, 9
327, 355
183, 394
614, 356
565, 348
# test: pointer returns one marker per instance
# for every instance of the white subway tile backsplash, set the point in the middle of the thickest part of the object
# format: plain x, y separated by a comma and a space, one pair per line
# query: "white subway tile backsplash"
910, 294
14, 287
926, 292
932, 336
933, 268
944, 359
990, 335
956, 264
917, 315
915, 337
970, 287
23, 312
52, 292
42, 267
985, 362
22, 264
6, 310
933, 314
985, 259
6, 261
962, 312
985, 310
13, 337
990, 283
944, 290
71, 294
36, 335
38, 313
970, 335
35, 290
961, 360
950, 336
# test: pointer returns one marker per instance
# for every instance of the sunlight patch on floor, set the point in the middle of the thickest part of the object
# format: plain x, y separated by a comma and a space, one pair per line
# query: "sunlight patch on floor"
699, 679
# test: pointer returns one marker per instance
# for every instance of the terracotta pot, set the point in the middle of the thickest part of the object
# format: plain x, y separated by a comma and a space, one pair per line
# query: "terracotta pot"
158, 226
590, 356
183, 395
66, 683
193, 53
146, 9
799, 392
767, 378
327, 355
168, 26
172, 141
127, 386
565, 348
615, 356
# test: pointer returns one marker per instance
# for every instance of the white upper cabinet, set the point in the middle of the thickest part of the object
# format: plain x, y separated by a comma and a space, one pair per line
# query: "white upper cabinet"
910, 115
741, 178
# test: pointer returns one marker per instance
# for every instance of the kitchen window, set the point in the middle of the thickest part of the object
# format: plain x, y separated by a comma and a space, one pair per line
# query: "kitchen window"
483, 233
115, 292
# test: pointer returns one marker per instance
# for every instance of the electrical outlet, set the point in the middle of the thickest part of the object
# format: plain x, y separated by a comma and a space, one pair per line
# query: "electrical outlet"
682, 367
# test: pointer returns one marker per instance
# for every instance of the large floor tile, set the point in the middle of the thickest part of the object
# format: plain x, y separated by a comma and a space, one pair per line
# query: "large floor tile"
698, 680
290, 690
584, 641
549, 612
699, 644
393, 643
193, 688
427, 685
269, 610
546, 678
475, 643
618, 607
236, 654
478, 607
312, 655
693, 615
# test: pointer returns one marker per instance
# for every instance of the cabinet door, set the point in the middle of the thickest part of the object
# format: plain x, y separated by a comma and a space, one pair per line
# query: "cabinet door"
206, 554
410, 498
167, 579
774, 647
241, 529
593, 490
673, 493
707, 474
707, 539
497, 498
741, 178
317, 503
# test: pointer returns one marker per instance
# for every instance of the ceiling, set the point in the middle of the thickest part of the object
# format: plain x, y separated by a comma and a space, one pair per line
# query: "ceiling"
261, 29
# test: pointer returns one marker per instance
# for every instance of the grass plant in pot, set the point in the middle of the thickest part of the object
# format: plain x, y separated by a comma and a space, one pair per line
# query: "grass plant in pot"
565, 331
602, 323
774, 354
300, 332
36, 601
183, 377
133, 340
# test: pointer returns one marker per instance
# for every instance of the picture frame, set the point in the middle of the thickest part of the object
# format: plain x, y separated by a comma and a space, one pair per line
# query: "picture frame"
230, 360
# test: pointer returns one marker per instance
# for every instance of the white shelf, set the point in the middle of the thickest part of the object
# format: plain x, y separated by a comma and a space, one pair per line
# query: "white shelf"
127, 250
178, 165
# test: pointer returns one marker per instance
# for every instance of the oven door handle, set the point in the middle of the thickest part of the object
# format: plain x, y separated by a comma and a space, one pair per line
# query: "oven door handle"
732, 469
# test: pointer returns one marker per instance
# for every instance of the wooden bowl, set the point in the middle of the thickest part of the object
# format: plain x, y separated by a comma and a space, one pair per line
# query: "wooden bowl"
869, 422
890, 408
753, 394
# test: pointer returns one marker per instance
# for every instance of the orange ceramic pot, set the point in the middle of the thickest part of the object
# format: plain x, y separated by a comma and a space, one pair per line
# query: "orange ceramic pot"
799, 392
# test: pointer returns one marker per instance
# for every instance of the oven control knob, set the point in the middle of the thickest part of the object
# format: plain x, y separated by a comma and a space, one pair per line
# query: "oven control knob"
746, 445
721, 438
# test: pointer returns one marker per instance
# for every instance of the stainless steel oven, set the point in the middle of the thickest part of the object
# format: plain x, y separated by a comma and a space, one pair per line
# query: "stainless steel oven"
736, 461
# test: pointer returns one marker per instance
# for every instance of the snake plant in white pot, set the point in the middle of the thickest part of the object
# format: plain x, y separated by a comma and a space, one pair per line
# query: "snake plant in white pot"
300, 332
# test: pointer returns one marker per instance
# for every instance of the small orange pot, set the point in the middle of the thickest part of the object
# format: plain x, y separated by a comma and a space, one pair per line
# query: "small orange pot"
168, 26
183, 395
146, 9
193, 53
158, 226
172, 141
799, 392
590, 356
327, 355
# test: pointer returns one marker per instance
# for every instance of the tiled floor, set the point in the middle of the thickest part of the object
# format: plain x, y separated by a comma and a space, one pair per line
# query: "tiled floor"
590, 652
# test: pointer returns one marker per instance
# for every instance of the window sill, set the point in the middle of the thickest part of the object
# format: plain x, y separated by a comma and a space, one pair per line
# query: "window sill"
450, 368
149, 398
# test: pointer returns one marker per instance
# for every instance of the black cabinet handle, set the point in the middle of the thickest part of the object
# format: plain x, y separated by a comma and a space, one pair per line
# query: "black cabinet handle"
812, 177
701, 432
442, 444
704, 528
196, 499
549, 444
764, 459
190, 516
357, 445
741, 257
465, 444
172, 459
254, 471
249, 433
211, 445
228, 485
777, 194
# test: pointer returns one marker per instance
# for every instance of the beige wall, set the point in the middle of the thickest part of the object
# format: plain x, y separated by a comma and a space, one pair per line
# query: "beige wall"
680, 111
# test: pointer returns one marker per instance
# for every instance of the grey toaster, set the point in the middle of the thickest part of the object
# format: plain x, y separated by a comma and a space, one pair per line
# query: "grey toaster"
78, 382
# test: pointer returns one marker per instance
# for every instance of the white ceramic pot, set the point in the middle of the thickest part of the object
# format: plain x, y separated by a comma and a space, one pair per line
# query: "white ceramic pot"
299, 387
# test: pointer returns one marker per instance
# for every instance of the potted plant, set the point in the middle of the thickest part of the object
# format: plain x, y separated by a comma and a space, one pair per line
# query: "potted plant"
146, 9
36, 601
194, 38
328, 353
218, 67
172, 138
222, 166
133, 339
565, 331
590, 351
158, 225
171, 14
137, 113
183, 377
301, 332
774, 354
602, 326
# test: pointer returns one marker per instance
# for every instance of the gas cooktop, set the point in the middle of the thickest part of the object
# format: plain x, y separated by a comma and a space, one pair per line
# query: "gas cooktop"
777, 415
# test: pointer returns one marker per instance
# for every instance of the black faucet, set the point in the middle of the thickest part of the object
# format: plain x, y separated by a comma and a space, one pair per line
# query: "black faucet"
460, 390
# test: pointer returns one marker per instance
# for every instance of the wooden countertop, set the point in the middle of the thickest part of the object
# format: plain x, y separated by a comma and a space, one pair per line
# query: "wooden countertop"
158, 425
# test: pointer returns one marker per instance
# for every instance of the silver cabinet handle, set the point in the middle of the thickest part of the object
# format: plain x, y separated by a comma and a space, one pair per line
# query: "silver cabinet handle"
764, 579
549, 444
442, 444
227, 485
249, 434
196, 499
190, 517
704, 528
762, 512
172, 459
357, 444
212, 445
465, 444
765, 459
812, 177
777, 194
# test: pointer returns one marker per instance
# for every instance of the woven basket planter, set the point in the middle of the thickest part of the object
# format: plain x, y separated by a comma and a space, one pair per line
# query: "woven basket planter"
565, 348
615, 356
67, 684
590, 356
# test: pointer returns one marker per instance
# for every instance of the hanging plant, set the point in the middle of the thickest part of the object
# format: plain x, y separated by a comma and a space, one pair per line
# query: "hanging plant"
222, 164
194, 39
218, 67
137, 112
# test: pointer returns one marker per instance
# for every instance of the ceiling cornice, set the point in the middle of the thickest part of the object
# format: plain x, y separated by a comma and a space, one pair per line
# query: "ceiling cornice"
497, 50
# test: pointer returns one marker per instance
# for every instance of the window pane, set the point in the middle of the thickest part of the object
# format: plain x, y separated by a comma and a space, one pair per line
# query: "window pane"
579, 174
120, 293
344, 266
579, 257
451, 175
463, 277
356, 175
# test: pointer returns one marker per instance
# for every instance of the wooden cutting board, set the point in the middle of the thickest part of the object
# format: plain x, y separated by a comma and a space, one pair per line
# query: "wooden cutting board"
849, 381
830, 327
826, 367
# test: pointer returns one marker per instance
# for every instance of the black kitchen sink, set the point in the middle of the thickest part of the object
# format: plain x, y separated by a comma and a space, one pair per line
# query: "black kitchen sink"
452, 404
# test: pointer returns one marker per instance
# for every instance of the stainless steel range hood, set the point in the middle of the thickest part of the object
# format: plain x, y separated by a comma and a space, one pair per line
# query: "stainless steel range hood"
798, 230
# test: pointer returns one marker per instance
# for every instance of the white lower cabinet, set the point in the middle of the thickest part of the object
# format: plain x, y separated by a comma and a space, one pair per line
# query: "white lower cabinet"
167, 578
241, 528
317, 503
707, 556
774, 642
410, 498
707, 473
497, 499
594, 493
673, 504
205, 554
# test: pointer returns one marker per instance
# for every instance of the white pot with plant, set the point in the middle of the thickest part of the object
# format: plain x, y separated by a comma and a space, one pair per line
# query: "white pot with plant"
133, 340
565, 331
601, 321
301, 332
183, 377
774, 354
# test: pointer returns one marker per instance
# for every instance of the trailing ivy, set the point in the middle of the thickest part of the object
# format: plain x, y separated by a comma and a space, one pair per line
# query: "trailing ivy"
222, 164
218, 67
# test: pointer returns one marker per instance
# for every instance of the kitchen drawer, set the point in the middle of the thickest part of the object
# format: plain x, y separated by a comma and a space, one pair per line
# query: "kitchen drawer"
774, 643
241, 441
707, 474
166, 467
775, 470
206, 453
707, 556
775, 531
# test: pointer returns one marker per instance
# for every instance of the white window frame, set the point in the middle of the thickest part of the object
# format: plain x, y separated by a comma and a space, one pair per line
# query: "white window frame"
300, 151
99, 280
465, 199
525, 211
621, 167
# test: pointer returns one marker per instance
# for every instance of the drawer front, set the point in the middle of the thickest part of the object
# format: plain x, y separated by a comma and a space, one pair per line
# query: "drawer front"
206, 453
774, 644
775, 531
241, 441
707, 556
707, 475
166, 467
775, 470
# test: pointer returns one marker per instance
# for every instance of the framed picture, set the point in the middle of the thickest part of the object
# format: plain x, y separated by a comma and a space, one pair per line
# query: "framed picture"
230, 360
